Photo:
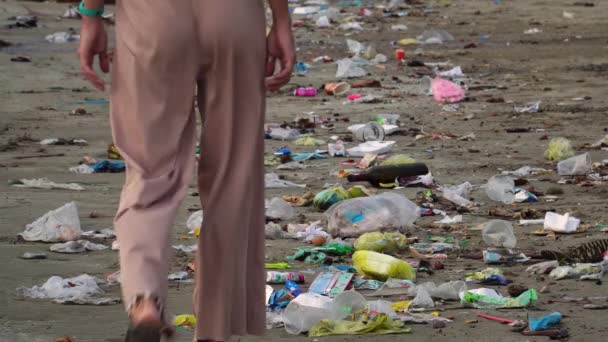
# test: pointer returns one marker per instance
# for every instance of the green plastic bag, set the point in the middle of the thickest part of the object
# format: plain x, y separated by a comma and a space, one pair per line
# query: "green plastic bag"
328, 197
559, 149
481, 301
379, 324
381, 242
381, 266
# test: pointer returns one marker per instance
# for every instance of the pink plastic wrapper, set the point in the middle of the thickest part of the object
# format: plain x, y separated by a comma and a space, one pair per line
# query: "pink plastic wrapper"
354, 97
446, 91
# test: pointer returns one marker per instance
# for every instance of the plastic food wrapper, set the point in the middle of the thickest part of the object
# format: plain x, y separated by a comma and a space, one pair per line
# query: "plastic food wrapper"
106, 233
448, 290
278, 133
421, 318
532, 107
380, 324
454, 72
309, 141
186, 249
446, 91
559, 149
482, 275
353, 217
381, 266
62, 37
326, 198
347, 68
272, 181
434, 37
78, 290
381, 242
278, 208
435, 247
59, 225
78, 246
490, 299
43, 183
194, 223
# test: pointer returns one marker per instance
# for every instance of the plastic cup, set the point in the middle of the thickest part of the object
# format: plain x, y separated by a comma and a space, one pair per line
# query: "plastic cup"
305, 311
337, 89
501, 188
372, 131
346, 303
399, 54
575, 166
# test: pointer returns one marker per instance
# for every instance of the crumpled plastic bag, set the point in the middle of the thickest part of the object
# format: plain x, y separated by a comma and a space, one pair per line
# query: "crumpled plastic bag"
446, 91
59, 225
77, 290
280, 209
434, 37
381, 242
347, 68
195, 222
448, 290
559, 149
483, 299
272, 181
328, 197
44, 183
423, 299
78, 246
398, 159
380, 324
353, 217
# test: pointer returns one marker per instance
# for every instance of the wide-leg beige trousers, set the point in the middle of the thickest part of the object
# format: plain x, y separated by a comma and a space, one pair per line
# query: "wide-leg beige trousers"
163, 49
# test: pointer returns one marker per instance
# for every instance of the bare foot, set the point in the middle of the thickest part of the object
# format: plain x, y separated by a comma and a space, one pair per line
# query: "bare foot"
146, 313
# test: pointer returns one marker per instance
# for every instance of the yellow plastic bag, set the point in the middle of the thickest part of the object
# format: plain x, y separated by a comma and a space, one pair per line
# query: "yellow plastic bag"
559, 149
407, 41
380, 324
381, 266
381, 242
399, 159
188, 321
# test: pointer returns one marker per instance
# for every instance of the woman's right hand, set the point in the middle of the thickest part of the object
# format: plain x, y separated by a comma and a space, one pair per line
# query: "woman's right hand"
93, 41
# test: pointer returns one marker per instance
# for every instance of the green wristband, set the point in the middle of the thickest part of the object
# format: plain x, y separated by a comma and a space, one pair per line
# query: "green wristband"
89, 12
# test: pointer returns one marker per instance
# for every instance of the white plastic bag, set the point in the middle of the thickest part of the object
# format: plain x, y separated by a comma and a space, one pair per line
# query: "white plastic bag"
59, 225
348, 69
78, 246
194, 221
278, 208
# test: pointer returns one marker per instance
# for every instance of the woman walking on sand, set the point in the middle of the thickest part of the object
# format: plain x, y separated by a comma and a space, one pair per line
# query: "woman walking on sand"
163, 49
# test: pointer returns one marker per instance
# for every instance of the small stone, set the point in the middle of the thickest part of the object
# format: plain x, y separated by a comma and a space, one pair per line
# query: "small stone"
516, 290
438, 324
79, 111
